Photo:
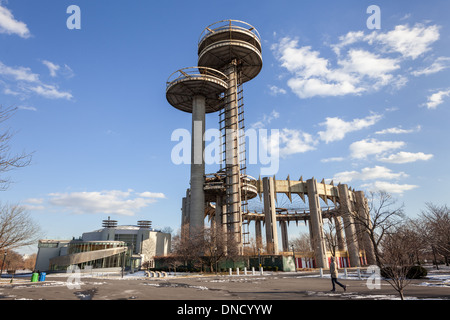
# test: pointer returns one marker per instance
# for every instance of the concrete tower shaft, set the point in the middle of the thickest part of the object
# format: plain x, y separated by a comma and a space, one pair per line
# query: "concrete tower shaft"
196, 90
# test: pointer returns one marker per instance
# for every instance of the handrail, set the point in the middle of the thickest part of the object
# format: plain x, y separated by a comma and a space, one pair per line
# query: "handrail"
195, 72
248, 28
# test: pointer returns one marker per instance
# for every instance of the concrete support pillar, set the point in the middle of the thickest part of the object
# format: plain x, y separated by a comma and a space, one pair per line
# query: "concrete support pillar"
316, 222
364, 215
197, 205
258, 234
232, 157
339, 233
284, 236
349, 225
270, 215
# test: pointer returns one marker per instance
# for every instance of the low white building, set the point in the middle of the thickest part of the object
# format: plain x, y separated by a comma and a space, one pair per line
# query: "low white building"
112, 246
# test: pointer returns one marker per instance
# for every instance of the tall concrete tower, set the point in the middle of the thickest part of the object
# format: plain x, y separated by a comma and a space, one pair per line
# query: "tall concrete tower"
229, 54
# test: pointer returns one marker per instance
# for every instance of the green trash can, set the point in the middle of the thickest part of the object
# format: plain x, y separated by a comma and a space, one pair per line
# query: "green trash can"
35, 277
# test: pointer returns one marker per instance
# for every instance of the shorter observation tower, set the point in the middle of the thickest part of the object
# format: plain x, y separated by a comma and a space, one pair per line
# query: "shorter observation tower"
197, 90
229, 54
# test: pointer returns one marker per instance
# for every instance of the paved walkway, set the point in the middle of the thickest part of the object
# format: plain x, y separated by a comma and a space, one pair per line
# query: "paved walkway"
277, 286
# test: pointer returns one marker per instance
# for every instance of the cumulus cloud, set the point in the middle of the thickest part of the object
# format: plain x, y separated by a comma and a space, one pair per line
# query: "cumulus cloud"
105, 202
356, 70
436, 99
336, 128
9, 25
439, 64
294, 141
406, 157
389, 187
363, 148
52, 67
376, 172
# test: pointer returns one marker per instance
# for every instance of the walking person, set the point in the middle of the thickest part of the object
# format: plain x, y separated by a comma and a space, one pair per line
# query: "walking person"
334, 275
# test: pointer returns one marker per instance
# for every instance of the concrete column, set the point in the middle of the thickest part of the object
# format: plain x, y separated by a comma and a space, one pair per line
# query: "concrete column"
197, 205
316, 222
284, 236
339, 233
232, 157
183, 216
364, 214
349, 226
270, 216
258, 234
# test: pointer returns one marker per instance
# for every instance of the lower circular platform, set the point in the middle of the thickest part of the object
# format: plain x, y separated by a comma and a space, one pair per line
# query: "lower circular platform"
215, 185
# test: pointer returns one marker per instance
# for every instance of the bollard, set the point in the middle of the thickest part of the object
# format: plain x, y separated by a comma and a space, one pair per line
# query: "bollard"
253, 271
261, 270
345, 273
237, 271
321, 272
245, 271
231, 272
358, 271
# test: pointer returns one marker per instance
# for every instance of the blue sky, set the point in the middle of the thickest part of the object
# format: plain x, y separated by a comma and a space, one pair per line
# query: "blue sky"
366, 107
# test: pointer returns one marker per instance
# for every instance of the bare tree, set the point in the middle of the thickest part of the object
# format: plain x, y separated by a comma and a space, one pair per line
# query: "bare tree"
17, 229
436, 222
302, 243
8, 161
331, 239
397, 253
385, 216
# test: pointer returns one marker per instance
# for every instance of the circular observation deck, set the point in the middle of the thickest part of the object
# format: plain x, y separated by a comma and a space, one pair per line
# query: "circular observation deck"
215, 185
226, 40
186, 83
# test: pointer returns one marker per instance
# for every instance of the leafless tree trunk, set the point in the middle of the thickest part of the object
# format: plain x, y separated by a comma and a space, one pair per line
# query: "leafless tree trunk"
9, 162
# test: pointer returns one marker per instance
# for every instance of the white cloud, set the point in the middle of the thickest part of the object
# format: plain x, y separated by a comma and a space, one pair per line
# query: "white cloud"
405, 157
439, 64
27, 108
336, 128
274, 90
148, 194
361, 149
105, 202
436, 99
389, 187
398, 130
52, 68
25, 81
293, 141
51, 92
333, 159
365, 63
357, 70
9, 25
18, 73
376, 172
409, 42
266, 120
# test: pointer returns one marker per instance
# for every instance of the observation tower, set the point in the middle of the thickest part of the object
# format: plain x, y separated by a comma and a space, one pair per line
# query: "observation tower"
229, 54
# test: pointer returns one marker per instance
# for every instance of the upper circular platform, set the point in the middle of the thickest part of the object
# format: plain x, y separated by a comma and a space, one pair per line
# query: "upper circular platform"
226, 40
186, 83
